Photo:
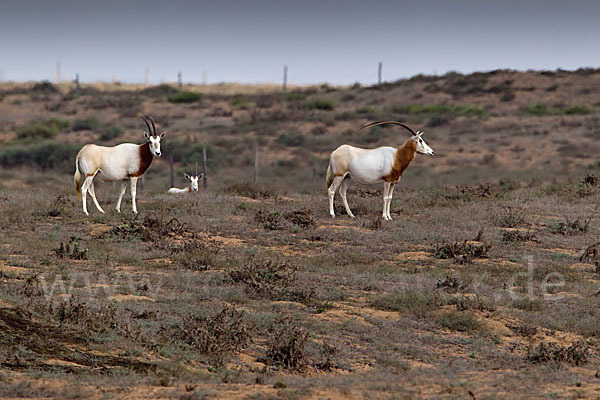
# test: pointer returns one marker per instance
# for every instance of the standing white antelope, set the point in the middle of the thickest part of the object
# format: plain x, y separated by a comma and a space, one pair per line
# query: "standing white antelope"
124, 162
193, 178
369, 166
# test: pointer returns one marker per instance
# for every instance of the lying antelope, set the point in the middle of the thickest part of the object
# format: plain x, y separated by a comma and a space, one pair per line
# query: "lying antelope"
368, 166
193, 178
125, 162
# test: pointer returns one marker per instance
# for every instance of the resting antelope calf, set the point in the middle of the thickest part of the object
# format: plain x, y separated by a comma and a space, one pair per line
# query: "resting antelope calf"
368, 166
193, 178
125, 162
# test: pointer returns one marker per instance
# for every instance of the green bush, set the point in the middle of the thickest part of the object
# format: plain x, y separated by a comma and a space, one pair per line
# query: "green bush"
321, 104
183, 151
186, 97
419, 303
434, 109
42, 130
86, 124
461, 321
541, 109
292, 139
239, 102
111, 132
45, 155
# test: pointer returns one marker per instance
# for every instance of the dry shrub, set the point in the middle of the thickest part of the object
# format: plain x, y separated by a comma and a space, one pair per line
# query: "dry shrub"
275, 220
510, 217
461, 321
518, 236
450, 284
270, 220
73, 253
570, 227
252, 190
217, 337
150, 229
588, 186
591, 254
265, 278
462, 252
58, 206
302, 218
575, 354
287, 348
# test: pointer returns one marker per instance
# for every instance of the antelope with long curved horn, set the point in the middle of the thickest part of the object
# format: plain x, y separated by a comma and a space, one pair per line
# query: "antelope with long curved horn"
369, 166
193, 178
124, 162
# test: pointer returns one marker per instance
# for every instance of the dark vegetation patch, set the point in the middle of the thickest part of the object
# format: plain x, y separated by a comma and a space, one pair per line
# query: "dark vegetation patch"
42, 129
276, 220
86, 124
550, 352
541, 109
510, 217
569, 227
217, 337
185, 97
321, 104
70, 250
419, 303
264, 278
462, 252
286, 348
45, 155
432, 109
253, 190
461, 321
27, 341
518, 236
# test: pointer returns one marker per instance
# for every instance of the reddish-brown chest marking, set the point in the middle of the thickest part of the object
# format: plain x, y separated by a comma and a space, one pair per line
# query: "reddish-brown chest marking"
145, 159
404, 155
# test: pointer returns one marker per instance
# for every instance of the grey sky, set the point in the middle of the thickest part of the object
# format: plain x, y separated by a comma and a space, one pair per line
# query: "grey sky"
339, 42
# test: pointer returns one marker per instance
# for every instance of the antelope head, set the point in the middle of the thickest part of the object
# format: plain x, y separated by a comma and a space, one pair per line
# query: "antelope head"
422, 147
193, 178
152, 137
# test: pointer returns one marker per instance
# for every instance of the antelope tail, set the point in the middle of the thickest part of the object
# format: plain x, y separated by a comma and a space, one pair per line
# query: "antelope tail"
77, 179
329, 175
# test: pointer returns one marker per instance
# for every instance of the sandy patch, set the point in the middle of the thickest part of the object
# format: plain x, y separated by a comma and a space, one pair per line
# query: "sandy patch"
414, 255
130, 297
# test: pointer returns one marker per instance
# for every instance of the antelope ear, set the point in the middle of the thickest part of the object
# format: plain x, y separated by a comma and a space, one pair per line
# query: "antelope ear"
201, 176
146, 136
162, 135
189, 178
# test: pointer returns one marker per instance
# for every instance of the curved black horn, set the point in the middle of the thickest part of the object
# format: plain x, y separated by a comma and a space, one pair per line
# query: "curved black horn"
147, 124
153, 126
190, 168
391, 122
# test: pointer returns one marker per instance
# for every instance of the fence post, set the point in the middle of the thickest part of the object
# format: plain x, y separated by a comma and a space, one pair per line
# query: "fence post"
284, 87
171, 169
58, 72
180, 82
379, 68
77, 84
204, 169
255, 162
